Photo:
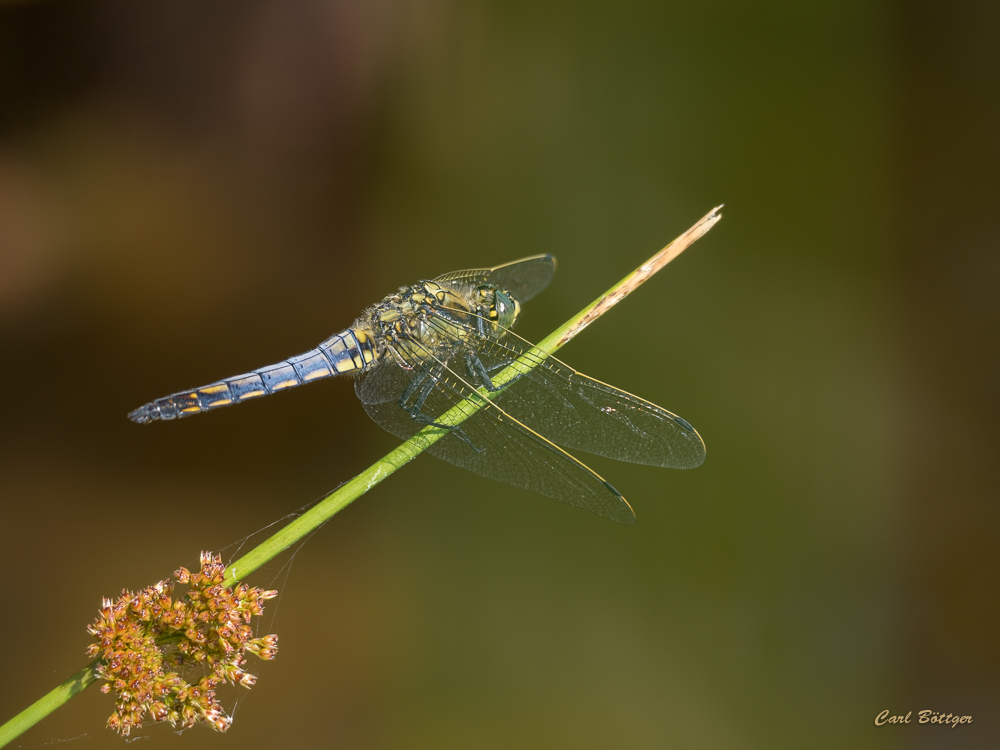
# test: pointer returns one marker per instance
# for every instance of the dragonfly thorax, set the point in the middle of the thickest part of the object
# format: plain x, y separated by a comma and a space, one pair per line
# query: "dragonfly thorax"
430, 319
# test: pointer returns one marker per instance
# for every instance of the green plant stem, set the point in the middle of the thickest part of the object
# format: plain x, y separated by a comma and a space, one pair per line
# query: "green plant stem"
355, 488
48, 703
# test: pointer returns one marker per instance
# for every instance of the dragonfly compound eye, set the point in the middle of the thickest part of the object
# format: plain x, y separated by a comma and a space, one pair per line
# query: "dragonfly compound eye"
505, 309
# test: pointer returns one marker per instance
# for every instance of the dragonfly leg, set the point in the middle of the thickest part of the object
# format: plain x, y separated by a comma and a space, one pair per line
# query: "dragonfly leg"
475, 366
423, 384
416, 382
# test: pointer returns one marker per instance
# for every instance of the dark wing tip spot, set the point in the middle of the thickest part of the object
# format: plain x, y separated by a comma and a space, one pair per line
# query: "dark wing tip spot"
684, 423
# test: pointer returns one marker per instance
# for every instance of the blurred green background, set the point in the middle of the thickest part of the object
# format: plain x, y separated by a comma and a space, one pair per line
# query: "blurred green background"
191, 190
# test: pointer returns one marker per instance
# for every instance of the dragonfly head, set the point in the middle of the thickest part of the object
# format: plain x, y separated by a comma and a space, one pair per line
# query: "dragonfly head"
498, 307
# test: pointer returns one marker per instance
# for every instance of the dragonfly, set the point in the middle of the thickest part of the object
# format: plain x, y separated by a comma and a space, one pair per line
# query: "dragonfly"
440, 344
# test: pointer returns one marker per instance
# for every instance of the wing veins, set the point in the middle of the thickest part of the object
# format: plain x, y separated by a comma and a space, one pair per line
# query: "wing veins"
609, 502
642, 432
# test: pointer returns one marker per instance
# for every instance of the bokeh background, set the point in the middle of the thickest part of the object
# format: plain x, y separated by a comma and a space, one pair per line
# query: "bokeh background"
191, 190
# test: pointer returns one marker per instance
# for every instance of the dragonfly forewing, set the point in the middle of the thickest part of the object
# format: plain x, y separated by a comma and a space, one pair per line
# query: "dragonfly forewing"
523, 279
576, 411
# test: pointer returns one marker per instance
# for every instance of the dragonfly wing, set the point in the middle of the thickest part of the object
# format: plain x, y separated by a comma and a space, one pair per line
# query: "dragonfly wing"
490, 442
576, 411
523, 278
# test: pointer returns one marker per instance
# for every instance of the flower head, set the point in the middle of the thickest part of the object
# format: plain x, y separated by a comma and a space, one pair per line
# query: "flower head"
146, 640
